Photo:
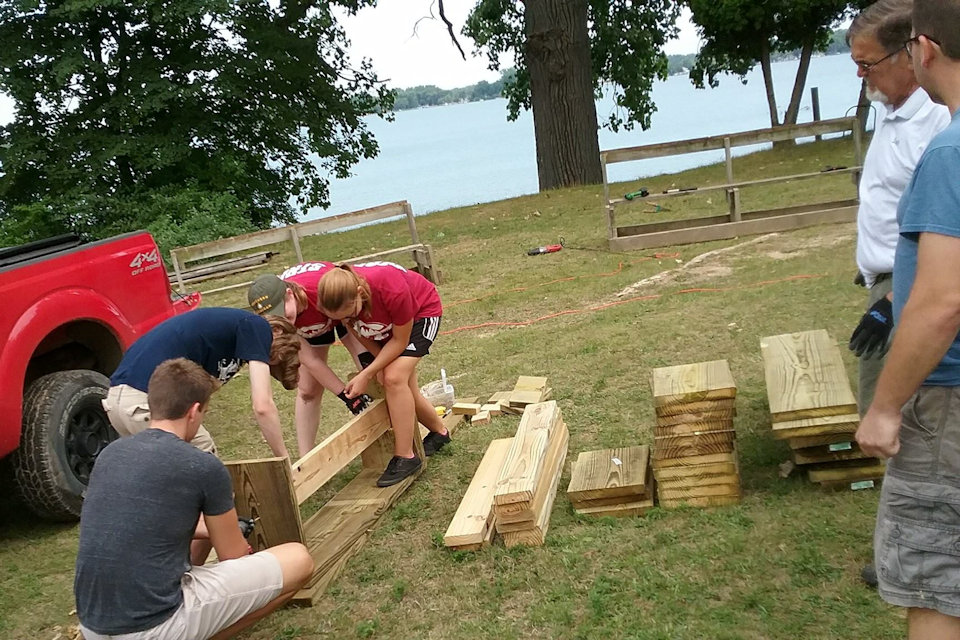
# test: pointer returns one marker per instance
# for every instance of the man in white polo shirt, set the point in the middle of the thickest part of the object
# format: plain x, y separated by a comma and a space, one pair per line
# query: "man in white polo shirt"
906, 122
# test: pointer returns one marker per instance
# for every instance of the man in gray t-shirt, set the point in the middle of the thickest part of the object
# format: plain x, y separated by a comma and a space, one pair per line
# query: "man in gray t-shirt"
140, 515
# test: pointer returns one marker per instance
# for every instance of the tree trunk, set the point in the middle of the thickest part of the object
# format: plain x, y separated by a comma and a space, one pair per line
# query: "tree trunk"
793, 109
768, 84
561, 90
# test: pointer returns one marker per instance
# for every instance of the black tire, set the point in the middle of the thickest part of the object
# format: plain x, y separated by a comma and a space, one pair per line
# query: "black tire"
64, 430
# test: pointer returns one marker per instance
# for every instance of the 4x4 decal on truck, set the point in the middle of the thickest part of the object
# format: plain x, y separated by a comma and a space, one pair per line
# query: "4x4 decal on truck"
152, 258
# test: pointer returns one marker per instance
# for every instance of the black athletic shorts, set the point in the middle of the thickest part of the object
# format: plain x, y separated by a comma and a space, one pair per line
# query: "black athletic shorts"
422, 335
328, 338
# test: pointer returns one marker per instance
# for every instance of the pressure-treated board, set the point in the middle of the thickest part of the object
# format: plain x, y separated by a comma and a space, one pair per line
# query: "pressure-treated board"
690, 461
538, 534
622, 510
816, 441
466, 408
339, 449
609, 473
308, 595
686, 383
697, 471
474, 516
528, 390
521, 470
696, 416
823, 453
516, 515
263, 491
848, 474
818, 426
701, 406
703, 491
493, 409
692, 445
689, 482
481, 418
705, 501
805, 376
692, 427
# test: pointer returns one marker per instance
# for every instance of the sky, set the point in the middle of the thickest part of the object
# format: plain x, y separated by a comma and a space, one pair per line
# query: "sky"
385, 34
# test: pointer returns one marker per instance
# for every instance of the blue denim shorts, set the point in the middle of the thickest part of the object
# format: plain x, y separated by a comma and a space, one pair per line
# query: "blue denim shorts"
917, 539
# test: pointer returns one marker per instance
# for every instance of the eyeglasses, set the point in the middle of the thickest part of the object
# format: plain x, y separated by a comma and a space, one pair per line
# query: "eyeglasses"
866, 67
908, 45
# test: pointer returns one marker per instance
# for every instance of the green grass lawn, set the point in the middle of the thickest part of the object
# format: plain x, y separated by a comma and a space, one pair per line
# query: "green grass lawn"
783, 564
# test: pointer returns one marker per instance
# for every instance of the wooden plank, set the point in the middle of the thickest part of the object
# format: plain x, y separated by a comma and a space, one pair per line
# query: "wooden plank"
739, 139
770, 224
805, 427
522, 468
696, 471
481, 418
606, 502
686, 383
528, 390
689, 223
692, 427
690, 461
702, 491
466, 408
697, 416
698, 481
702, 406
816, 441
624, 510
310, 595
334, 530
848, 474
705, 501
494, 409
538, 534
263, 490
828, 453
693, 445
805, 376
339, 449
474, 516
526, 512
610, 473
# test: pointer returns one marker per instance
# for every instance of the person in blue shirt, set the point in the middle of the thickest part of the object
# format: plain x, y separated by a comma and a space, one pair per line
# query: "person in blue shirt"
914, 419
221, 340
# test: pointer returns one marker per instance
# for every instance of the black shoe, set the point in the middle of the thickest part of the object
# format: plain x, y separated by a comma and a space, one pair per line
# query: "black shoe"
397, 469
434, 442
869, 575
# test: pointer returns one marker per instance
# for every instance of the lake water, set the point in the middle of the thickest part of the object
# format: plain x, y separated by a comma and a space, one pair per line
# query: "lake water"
454, 155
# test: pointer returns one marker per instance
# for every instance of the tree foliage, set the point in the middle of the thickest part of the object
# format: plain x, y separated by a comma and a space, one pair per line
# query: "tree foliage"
627, 39
147, 113
739, 34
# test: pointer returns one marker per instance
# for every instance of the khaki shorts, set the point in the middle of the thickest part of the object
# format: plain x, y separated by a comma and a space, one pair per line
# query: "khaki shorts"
129, 413
214, 597
917, 539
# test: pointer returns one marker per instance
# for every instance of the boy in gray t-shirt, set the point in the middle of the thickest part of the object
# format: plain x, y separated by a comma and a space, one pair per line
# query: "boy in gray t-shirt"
140, 515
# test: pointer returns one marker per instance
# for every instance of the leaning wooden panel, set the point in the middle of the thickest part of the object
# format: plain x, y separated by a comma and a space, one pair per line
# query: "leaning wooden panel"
521, 470
609, 473
329, 457
263, 490
805, 376
526, 513
474, 516
708, 406
695, 382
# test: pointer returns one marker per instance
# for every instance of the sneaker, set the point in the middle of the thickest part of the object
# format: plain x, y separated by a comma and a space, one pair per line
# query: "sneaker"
434, 442
397, 469
869, 575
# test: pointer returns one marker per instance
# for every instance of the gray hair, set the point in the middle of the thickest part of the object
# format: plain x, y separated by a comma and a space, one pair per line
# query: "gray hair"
889, 21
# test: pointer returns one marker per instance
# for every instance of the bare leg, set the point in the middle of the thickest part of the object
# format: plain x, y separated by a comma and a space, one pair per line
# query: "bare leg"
927, 624
200, 545
297, 566
400, 403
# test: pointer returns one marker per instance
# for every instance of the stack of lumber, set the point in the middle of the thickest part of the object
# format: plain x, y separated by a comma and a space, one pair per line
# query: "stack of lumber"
694, 454
528, 390
528, 479
612, 482
813, 408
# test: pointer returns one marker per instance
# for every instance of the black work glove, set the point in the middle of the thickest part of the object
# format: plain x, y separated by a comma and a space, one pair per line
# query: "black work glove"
859, 280
356, 405
869, 339
365, 358
246, 526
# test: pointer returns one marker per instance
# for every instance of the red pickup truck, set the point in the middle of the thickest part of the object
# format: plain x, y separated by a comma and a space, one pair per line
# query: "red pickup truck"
70, 310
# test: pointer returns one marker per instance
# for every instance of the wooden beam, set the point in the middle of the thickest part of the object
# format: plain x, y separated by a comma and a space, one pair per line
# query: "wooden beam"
329, 457
524, 464
263, 490
524, 514
474, 516
734, 229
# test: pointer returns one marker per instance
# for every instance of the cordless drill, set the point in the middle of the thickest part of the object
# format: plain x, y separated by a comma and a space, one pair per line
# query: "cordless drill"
246, 525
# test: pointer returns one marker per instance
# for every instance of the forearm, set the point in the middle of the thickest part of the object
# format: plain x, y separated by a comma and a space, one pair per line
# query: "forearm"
269, 420
927, 328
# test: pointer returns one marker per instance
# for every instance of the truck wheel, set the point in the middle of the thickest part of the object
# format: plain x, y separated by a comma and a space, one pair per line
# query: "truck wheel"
64, 430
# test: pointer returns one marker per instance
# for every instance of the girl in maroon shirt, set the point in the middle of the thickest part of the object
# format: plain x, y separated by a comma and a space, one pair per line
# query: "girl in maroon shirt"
395, 313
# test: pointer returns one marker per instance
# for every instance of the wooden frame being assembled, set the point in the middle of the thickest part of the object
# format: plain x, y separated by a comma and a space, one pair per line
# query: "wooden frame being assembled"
271, 490
422, 253
737, 222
